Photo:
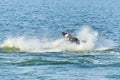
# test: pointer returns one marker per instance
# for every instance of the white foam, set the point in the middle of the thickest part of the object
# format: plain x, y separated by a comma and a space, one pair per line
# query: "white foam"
87, 36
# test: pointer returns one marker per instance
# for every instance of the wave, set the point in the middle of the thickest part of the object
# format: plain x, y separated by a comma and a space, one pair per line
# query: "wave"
88, 37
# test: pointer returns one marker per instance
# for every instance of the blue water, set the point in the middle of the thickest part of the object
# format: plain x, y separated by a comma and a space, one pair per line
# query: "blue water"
31, 45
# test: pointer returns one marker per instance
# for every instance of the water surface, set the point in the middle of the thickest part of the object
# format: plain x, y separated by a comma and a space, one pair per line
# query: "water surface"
31, 45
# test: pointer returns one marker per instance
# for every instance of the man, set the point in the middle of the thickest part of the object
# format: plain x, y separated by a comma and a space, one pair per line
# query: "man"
70, 38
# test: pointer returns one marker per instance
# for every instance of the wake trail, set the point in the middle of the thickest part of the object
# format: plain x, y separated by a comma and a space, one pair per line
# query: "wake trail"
89, 40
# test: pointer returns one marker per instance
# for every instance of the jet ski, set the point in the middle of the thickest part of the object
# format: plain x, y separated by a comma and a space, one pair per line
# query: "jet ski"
70, 38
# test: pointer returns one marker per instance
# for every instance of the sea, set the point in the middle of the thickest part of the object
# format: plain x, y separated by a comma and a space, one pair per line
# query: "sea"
32, 46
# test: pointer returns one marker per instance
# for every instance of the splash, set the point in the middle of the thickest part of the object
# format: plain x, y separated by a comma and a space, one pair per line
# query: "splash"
87, 37
89, 40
